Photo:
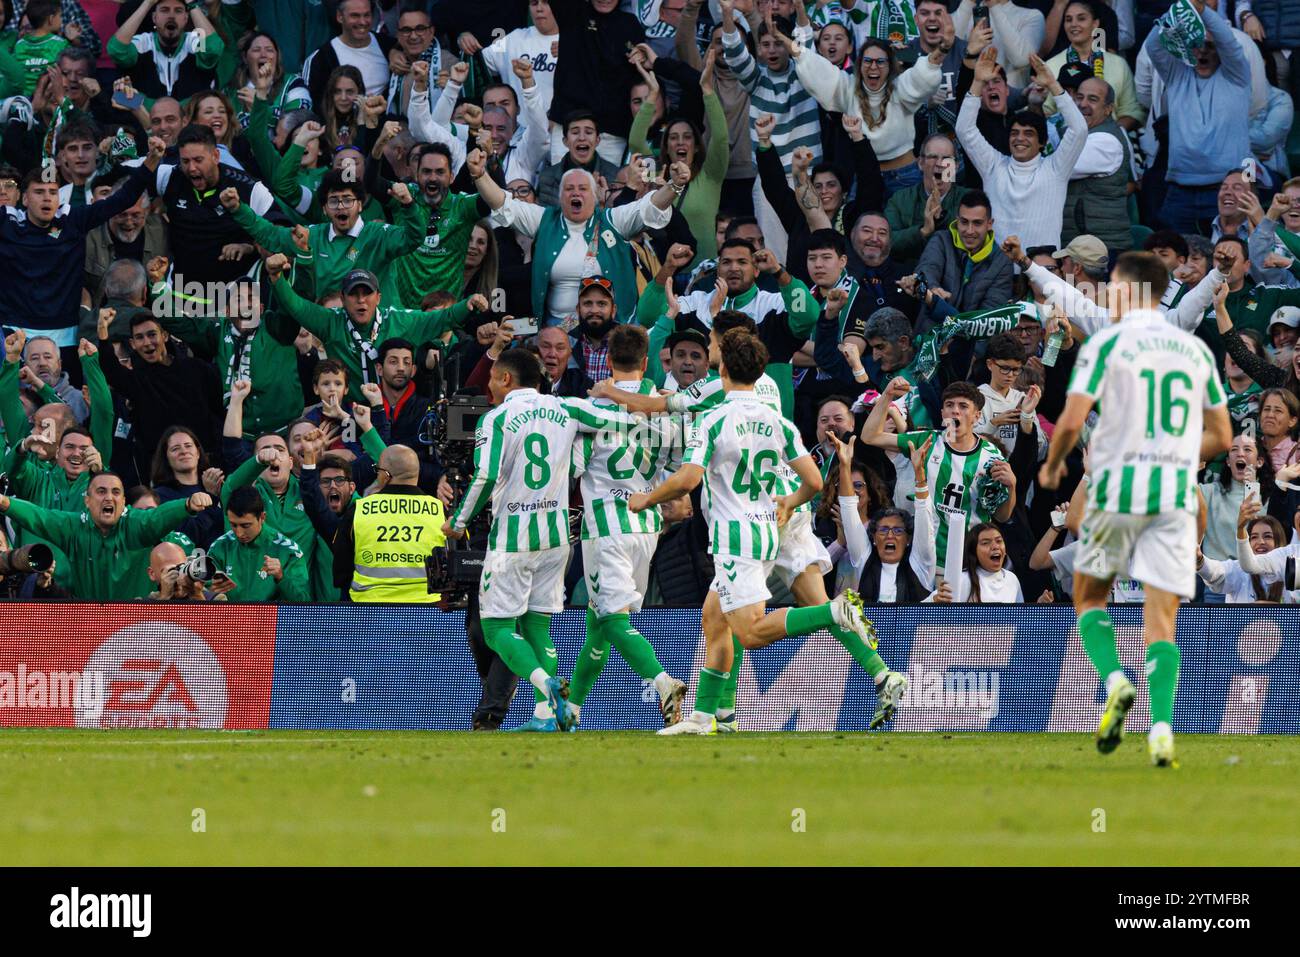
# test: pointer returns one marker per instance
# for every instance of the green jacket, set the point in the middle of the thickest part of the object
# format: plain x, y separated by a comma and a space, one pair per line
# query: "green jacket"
438, 262
243, 563
103, 566
335, 329
276, 399
289, 178
373, 246
44, 483
905, 213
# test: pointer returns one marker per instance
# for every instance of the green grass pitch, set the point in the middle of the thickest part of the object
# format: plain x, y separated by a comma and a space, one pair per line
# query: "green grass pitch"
315, 797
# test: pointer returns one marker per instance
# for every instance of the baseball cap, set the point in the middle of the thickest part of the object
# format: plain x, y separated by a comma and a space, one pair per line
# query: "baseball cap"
1088, 251
596, 282
688, 335
1286, 316
360, 277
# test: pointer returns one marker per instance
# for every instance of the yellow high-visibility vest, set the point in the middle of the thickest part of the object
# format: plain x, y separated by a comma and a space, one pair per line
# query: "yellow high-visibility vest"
392, 535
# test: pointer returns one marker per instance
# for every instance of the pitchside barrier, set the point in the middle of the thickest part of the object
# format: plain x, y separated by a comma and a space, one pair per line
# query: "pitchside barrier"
972, 667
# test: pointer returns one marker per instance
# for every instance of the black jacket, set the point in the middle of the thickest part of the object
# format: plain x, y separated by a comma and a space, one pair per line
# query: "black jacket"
593, 72
185, 392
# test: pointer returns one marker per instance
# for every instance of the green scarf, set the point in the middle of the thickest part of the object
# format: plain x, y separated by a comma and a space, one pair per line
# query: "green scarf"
1181, 31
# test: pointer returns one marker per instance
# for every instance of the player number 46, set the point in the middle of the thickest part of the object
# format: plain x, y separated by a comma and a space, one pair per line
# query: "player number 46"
758, 481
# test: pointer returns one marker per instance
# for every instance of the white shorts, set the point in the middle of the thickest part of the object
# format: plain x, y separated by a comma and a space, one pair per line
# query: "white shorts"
515, 582
740, 582
617, 569
1157, 550
800, 549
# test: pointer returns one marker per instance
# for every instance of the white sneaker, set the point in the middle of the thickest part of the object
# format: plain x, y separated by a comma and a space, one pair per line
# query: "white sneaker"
847, 612
671, 706
888, 695
692, 725
1160, 745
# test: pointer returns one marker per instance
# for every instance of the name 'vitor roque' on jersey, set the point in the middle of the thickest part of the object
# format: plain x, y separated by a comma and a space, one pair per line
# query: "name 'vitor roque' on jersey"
522, 465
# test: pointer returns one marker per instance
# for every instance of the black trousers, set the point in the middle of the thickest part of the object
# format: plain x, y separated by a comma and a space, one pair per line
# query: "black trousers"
498, 681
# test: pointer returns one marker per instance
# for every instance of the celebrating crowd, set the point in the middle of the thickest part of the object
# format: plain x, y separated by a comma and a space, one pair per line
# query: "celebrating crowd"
251, 251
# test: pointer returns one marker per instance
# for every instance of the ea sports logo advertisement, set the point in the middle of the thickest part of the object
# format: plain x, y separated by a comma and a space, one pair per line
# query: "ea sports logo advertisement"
158, 675
147, 666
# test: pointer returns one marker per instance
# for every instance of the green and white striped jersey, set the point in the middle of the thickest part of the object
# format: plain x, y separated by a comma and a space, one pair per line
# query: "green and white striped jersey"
521, 463
952, 476
1153, 382
614, 464
707, 393
741, 445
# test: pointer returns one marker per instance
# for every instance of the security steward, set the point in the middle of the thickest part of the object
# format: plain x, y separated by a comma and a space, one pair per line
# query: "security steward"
384, 537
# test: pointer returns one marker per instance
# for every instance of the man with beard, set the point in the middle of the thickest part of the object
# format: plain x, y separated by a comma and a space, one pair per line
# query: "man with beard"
352, 332
595, 322
171, 60
163, 387
247, 341
135, 233
784, 320
448, 220
105, 541
345, 241
42, 361
872, 264
327, 486
406, 408
208, 245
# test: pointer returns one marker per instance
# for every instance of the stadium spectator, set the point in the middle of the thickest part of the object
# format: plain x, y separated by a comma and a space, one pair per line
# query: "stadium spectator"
986, 577
108, 545
178, 58
889, 554
915, 213
1256, 574
963, 264
1027, 189
1017, 34
355, 46
567, 238
1209, 131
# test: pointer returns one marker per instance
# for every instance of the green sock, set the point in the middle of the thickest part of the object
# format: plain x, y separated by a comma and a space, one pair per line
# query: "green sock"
858, 648
591, 661
803, 621
631, 644
708, 690
727, 701
1163, 658
536, 629
515, 651
1097, 632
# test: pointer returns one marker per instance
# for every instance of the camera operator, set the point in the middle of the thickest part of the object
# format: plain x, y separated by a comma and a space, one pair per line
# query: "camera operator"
168, 569
384, 538
27, 573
